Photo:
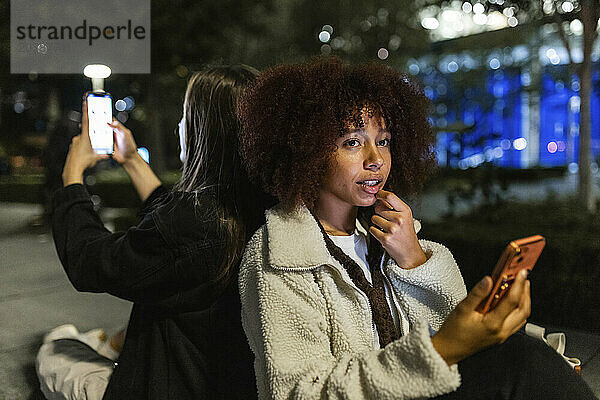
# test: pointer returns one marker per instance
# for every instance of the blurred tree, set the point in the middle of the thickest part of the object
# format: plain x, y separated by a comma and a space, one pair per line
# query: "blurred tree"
4, 54
360, 30
532, 15
588, 12
186, 32
4, 40
187, 35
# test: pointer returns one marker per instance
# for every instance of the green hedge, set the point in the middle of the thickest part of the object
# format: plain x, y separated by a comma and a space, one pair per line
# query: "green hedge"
566, 280
447, 178
21, 189
113, 186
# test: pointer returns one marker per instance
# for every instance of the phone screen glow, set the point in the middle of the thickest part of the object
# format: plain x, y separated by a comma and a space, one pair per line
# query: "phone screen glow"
99, 115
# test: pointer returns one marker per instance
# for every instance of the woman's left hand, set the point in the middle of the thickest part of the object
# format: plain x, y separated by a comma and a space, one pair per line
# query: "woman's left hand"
81, 154
396, 231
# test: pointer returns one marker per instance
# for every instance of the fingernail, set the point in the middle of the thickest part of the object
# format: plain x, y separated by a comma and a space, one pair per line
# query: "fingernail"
482, 283
523, 273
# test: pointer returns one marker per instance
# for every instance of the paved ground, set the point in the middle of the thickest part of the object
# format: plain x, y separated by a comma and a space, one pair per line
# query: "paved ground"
36, 296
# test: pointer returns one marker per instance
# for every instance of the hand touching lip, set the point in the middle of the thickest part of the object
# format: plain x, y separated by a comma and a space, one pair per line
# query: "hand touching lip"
394, 229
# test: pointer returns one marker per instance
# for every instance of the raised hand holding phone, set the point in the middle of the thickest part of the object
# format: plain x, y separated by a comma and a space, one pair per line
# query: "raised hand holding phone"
394, 229
495, 308
99, 113
125, 148
125, 153
81, 154
467, 331
520, 254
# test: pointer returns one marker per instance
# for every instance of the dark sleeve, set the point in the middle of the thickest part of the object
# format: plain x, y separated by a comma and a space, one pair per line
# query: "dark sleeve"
137, 265
152, 200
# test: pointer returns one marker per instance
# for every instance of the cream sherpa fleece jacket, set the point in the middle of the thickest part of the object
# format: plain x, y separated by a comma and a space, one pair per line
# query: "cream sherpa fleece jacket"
310, 327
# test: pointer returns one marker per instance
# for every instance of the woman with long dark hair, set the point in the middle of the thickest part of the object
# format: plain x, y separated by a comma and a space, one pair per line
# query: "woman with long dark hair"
178, 265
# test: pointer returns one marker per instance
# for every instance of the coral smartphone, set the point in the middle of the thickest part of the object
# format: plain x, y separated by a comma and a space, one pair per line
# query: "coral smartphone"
519, 254
99, 108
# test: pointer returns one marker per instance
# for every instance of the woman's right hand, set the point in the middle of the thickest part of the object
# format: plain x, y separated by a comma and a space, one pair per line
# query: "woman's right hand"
125, 152
466, 331
125, 149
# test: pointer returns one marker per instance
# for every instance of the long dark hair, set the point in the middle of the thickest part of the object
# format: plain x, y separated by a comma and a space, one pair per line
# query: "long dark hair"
212, 160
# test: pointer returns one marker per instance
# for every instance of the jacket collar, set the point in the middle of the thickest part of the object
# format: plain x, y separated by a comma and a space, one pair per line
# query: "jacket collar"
296, 241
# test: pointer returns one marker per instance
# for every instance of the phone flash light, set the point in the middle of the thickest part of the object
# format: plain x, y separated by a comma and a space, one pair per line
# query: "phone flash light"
97, 71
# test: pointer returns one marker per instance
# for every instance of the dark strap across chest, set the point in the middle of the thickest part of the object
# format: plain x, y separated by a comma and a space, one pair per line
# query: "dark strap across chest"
380, 310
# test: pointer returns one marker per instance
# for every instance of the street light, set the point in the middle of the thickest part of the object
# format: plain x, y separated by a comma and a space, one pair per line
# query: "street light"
97, 73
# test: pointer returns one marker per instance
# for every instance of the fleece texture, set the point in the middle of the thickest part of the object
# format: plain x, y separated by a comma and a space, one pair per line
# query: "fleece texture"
310, 327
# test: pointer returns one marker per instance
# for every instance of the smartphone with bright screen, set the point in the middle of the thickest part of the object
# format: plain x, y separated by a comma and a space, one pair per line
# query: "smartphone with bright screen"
99, 108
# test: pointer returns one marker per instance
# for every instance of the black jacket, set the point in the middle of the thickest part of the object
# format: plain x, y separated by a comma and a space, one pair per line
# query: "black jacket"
184, 339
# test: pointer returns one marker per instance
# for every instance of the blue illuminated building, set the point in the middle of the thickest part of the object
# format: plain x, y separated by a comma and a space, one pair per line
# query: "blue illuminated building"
510, 120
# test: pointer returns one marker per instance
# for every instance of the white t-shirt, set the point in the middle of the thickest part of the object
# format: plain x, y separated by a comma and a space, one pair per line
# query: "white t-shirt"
355, 246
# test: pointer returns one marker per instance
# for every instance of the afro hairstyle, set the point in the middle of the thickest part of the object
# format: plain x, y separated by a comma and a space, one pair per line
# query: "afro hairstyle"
291, 116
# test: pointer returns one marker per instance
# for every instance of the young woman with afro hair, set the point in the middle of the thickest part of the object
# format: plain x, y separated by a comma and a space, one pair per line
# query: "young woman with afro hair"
340, 300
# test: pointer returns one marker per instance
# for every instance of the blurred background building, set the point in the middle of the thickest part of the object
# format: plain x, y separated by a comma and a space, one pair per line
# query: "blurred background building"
510, 81
507, 91
502, 75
